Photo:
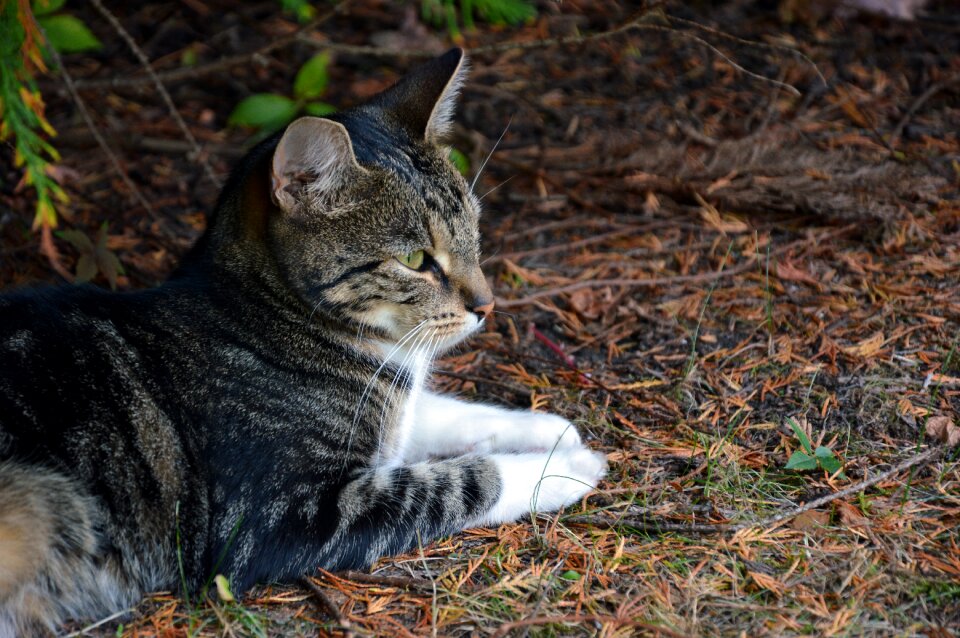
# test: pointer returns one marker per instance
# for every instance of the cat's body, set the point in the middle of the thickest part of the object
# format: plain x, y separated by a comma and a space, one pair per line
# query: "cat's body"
263, 413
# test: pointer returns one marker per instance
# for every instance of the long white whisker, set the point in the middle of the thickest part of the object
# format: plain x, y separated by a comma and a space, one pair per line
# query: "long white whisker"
402, 372
365, 395
496, 187
490, 154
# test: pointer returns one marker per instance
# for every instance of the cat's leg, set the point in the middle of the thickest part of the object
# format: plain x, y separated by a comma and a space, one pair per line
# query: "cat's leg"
386, 511
447, 427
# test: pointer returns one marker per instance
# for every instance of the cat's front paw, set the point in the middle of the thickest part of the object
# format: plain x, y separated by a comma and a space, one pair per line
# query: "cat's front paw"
543, 482
529, 432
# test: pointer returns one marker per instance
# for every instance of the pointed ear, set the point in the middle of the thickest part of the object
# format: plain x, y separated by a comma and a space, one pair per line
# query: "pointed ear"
314, 155
423, 101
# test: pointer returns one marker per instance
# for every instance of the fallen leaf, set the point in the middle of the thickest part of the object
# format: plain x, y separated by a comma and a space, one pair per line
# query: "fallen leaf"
810, 521
868, 347
851, 516
943, 429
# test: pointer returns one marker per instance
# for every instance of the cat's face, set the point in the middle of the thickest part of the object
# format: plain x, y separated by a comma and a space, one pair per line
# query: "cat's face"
378, 229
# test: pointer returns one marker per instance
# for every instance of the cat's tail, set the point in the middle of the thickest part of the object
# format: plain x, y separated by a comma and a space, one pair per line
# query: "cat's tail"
48, 552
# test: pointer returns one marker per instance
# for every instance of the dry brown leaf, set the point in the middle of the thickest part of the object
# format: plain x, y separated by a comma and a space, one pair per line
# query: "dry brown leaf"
851, 516
787, 270
868, 347
810, 521
943, 429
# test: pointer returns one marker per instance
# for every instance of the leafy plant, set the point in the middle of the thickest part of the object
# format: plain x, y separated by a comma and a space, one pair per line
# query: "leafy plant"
446, 12
302, 9
66, 33
95, 257
272, 111
24, 123
460, 161
811, 459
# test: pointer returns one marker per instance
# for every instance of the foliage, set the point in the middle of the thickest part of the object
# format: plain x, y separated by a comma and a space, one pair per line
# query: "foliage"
810, 459
95, 257
272, 111
460, 161
445, 12
64, 32
302, 9
24, 122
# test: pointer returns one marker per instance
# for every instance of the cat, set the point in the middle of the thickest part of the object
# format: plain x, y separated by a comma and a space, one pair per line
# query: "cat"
264, 412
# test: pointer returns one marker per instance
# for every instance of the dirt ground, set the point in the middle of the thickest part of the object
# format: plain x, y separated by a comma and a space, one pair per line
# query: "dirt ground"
715, 230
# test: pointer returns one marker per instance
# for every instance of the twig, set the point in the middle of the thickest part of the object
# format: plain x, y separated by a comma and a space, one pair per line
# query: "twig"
651, 526
922, 458
716, 528
506, 628
99, 623
634, 24
920, 101
198, 154
666, 281
327, 605
751, 43
189, 73
401, 582
88, 120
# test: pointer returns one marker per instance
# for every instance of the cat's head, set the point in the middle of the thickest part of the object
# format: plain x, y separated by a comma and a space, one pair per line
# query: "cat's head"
376, 227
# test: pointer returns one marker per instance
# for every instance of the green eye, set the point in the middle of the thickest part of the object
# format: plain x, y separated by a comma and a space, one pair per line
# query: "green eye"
412, 260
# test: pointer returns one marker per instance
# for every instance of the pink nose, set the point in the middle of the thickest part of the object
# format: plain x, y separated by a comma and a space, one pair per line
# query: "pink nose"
482, 310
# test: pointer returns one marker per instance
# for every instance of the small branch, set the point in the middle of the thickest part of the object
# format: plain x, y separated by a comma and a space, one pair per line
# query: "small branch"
922, 458
325, 604
401, 582
198, 154
918, 459
88, 120
506, 628
189, 73
650, 526
667, 281
920, 101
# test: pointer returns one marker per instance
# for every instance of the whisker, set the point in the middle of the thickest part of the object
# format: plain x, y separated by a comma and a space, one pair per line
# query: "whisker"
365, 395
496, 187
490, 154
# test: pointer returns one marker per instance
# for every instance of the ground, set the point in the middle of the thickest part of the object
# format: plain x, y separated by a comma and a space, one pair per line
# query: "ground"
721, 237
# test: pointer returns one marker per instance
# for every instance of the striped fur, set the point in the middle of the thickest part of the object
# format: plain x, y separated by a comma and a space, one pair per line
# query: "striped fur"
263, 413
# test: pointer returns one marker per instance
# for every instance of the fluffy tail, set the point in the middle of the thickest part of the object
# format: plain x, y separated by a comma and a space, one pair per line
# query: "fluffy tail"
49, 567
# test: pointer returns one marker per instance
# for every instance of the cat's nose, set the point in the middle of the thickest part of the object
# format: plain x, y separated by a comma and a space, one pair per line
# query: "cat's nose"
483, 308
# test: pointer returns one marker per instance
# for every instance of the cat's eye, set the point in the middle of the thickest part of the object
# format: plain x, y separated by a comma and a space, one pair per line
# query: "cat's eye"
412, 260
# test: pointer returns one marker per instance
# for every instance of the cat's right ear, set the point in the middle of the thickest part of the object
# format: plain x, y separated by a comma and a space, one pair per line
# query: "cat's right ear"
314, 155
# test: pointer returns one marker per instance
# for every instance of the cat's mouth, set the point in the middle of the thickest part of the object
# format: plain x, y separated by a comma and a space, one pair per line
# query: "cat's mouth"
432, 337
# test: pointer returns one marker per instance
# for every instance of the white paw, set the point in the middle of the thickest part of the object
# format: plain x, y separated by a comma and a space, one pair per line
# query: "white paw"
516, 431
543, 482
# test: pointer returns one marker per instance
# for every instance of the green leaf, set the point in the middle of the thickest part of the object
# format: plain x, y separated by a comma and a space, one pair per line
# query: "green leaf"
86, 268
319, 109
827, 459
460, 161
801, 435
264, 110
312, 78
511, 12
107, 261
570, 575
76, 239
68, 35
801, 461
46, 7
223, 588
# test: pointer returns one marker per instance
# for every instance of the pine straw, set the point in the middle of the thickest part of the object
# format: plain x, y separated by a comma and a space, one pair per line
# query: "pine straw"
757, 259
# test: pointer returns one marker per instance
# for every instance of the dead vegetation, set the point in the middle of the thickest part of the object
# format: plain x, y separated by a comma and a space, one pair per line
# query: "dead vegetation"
687, 259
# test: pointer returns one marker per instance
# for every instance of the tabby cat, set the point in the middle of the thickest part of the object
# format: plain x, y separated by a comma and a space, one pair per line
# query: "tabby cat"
264, 412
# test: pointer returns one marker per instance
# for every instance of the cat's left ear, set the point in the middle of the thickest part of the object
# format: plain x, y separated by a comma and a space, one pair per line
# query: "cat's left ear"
314, 154
423, 101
